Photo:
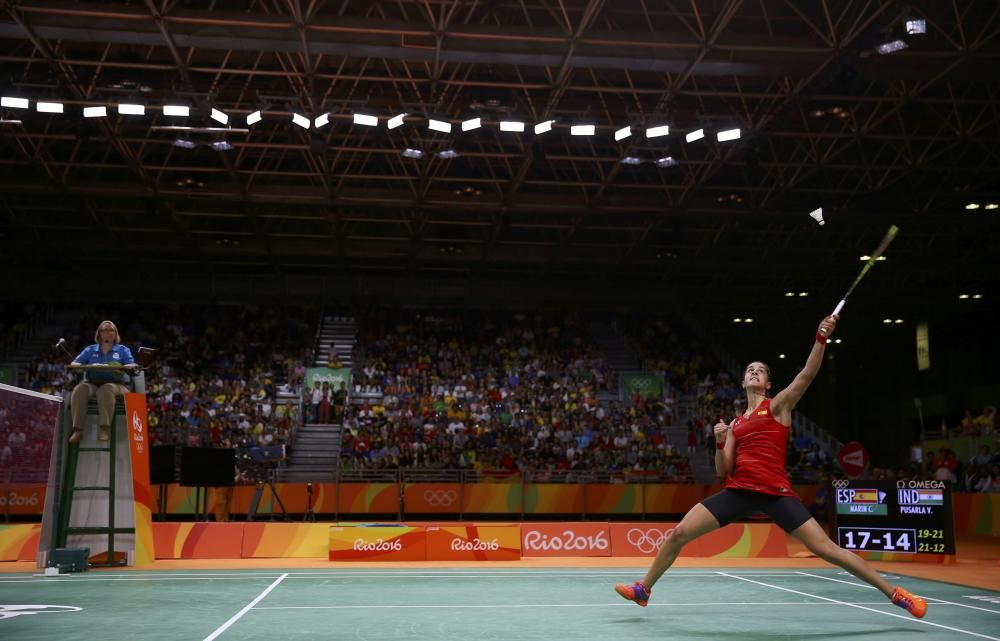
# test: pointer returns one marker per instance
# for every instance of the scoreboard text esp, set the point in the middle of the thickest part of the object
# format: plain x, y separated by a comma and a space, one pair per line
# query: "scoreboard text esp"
905, 517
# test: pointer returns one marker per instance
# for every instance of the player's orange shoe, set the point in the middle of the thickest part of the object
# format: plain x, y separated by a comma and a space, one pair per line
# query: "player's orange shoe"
909, 602
636, 592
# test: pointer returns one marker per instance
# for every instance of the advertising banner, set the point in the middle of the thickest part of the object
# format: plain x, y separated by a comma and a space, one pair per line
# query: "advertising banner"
923, 347
474, 543
327, 375
638, 539
492, 498
19, 542
22, 499
432, 498
285, 540
611, 498
736, 540
670, 498
142, 496
378, 543
648, 385
198, 540
974, 513
553, 498
565, 539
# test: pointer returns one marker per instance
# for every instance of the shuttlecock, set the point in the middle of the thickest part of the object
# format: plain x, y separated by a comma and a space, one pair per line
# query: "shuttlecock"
817, 215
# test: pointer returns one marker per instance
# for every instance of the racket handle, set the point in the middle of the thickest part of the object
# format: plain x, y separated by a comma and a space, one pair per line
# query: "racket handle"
840, 306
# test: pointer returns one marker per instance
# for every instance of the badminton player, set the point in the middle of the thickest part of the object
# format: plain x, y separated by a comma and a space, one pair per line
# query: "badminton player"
750, 455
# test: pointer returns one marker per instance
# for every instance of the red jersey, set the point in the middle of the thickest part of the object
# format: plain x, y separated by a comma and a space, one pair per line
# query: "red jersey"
761, 442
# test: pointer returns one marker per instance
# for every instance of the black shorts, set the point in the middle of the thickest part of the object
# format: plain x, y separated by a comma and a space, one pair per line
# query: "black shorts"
729, 505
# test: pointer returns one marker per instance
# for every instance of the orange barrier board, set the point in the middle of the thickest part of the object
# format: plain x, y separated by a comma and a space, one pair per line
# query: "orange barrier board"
19, 542
198, 540
473, 543
436, 541
565, 539
737, 540
380, 543
285, 540
22, 499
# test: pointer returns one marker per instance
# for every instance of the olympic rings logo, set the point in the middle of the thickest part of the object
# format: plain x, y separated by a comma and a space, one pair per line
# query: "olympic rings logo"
646, 541
440, 498
840, 483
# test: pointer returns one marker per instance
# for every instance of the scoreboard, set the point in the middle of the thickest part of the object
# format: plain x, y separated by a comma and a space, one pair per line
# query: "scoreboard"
903, 517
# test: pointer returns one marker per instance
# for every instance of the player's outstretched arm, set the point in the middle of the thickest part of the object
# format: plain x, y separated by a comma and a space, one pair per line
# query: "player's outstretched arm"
786, 400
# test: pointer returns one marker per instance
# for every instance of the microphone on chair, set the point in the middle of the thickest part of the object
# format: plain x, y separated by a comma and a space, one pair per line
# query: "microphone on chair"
61, 346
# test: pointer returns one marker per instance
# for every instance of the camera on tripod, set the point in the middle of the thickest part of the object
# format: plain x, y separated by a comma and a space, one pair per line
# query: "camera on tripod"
267, 454
258, 463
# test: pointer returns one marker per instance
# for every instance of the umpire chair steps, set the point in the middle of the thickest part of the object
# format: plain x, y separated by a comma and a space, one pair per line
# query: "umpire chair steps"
64, 530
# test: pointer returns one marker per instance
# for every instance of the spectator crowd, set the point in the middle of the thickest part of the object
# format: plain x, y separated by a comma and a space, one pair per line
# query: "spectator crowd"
487, 392
497, 393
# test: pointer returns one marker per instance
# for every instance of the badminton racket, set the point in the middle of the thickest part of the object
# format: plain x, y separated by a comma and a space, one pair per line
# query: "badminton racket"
889, 236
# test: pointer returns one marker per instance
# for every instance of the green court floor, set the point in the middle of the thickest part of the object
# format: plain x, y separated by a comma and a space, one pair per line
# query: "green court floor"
480, 605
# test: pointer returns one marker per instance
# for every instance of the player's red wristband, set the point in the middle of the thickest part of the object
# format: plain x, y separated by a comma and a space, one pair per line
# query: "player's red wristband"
820, 339
719, 446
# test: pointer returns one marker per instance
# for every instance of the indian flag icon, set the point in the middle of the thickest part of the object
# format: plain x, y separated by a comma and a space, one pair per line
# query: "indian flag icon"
931, 497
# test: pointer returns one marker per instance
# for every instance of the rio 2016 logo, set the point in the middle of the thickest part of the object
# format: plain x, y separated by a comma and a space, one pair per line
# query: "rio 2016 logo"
475, 545
568, 540
378, 545
13, 498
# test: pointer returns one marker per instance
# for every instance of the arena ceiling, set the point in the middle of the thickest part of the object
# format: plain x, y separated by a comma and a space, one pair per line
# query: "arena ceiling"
112, 207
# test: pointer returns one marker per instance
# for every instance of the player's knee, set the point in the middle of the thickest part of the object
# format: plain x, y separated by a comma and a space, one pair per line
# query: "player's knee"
677, 536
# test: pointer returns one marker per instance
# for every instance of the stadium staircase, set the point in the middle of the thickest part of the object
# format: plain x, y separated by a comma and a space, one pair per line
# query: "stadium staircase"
616, 350
315, 451
338, 331
623, 359
45, 328
702, 467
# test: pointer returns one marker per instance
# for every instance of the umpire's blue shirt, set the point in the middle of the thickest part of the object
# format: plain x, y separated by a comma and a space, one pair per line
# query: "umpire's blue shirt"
92, 355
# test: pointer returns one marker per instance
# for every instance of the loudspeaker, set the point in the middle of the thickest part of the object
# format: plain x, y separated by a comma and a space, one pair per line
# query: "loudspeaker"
161, 464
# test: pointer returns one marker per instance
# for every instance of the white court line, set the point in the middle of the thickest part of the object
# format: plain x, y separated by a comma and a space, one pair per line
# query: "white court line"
52, 580
938, 601
827, 578
861, 607
236, 617
435, 606
934, 600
